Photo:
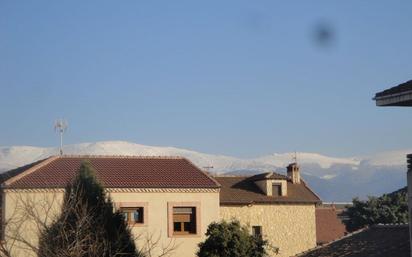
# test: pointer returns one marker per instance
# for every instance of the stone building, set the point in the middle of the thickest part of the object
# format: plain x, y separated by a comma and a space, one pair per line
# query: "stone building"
279, 208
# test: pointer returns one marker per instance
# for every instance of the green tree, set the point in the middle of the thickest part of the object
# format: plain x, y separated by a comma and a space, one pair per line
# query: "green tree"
230, 239
87, 225
389, 208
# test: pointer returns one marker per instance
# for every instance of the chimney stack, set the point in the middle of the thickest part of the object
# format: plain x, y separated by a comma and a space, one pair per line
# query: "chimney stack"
293, 173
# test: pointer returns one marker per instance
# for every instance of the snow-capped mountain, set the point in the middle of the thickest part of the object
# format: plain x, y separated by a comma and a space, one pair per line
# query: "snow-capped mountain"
334, 179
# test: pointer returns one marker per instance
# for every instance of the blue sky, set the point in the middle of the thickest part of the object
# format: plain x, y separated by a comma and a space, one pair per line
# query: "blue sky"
240, 78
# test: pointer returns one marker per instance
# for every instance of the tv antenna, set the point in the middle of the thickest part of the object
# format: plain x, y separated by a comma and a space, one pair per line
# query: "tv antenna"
208, 168
60, 126
295, 158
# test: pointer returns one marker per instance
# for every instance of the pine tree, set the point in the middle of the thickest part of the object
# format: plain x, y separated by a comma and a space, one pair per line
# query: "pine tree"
87, 225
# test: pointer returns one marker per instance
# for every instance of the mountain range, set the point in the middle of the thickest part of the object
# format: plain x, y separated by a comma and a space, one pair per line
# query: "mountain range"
333, 179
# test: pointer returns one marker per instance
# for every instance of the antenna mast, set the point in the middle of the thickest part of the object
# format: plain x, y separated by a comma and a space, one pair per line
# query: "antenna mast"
60, 126
295, 158
208, 168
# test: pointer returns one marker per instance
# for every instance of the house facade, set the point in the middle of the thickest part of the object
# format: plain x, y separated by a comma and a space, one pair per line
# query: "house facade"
167, 201
279, 208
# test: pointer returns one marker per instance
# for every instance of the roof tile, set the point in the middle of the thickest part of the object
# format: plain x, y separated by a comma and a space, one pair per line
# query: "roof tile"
377, 241
120, 172
328, 226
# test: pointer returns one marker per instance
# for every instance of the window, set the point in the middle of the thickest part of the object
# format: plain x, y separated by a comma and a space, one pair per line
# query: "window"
276, 189
133, 215
410, 222
184, 220
257, 231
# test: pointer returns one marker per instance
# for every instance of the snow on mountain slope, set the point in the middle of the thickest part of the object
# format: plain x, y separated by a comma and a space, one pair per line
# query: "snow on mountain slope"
15, 156
334, 179
390, 158
325, 162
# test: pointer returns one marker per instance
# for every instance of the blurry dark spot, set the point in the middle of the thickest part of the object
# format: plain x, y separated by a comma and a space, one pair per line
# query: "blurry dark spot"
324, 34
257, 22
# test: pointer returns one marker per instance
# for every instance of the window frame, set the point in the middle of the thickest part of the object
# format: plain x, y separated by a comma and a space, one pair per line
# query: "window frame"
197, 219
257, 227
131, 206
129, 211
279, 186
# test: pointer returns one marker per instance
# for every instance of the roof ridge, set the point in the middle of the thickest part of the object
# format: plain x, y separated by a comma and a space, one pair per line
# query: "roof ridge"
168, 157
249, 176
231, 176
390, 225
31, 170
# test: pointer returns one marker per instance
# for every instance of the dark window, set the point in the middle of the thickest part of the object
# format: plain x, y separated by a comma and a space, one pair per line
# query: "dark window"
257, 230
276, 190
184, 220
133, 215
410, 221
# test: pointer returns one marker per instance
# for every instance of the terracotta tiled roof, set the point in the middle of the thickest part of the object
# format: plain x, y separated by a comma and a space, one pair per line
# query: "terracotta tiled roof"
377, 241
243, 190
328, 226
116, 172
14, 172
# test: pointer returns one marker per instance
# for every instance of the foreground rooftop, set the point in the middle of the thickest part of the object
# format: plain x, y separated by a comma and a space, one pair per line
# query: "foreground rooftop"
378, 241
400, 95
112, 171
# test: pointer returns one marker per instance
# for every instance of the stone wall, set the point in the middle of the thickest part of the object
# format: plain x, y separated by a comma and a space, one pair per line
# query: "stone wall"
291, 228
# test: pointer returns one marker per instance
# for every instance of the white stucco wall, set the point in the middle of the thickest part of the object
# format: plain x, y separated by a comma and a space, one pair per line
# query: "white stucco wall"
156, 226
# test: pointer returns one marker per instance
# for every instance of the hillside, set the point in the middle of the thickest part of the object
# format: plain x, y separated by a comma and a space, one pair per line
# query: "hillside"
334, 179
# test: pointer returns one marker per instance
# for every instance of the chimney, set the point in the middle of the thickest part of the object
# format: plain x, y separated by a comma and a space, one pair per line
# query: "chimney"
294, 173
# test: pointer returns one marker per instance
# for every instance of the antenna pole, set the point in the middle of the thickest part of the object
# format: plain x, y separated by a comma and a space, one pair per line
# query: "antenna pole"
208, 168
295, 158
61, 142
60, 126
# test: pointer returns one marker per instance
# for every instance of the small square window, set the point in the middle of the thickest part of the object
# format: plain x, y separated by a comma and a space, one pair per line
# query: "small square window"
133, 215
184, 220
276, 189
257, 231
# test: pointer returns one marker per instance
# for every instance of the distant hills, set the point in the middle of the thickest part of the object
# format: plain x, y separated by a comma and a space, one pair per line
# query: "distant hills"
334, 179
